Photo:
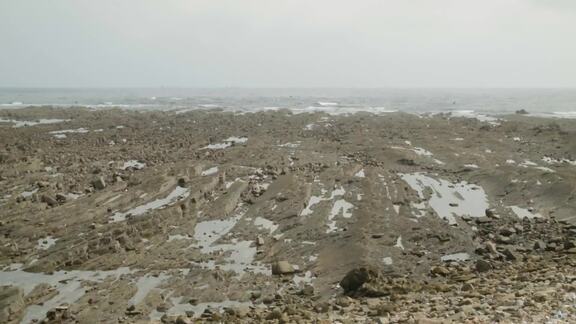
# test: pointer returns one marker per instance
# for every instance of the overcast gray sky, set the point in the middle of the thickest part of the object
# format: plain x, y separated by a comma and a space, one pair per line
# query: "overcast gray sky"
288, 43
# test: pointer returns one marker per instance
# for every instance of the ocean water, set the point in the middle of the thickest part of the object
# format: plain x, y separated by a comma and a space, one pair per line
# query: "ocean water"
409, 100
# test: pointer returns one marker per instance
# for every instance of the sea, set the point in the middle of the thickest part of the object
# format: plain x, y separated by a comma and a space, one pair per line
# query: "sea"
561, 102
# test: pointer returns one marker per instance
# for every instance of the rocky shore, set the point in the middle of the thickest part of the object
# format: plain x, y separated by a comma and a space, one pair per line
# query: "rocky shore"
116, 216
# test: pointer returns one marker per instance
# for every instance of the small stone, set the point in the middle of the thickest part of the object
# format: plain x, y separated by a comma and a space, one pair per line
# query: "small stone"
162, 308
259, 240
491, 247
282, 267
490, 213
483, 266
539, 245
440, 271
467, 287
51, 201
183, 320
511, 255
275, 314
99, 183
308, 290
183, 181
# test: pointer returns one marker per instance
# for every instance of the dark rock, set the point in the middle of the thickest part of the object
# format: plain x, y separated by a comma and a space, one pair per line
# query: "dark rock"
483, 266
356, 278
99, 183
539, 245
490, 213
511, 255
51, 201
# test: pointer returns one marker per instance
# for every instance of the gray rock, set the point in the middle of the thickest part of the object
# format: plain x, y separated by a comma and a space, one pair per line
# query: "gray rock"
259, 240
483, 266
539, 245
99, 183
51, 201
282, 267
511, 255
61, 197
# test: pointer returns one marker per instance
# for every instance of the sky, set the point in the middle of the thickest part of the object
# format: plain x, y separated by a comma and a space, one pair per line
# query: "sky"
288, 43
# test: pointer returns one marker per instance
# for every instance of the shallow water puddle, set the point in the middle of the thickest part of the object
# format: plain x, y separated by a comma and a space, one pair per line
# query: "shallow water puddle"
342, 207
266, 224
399, 243
67, 283
27, 194
524, 213
313, 201
239, 255
527, 164
62, 133
419, 151
305, 278
178, 237
144, 285
550, 160
181, 307
474, 115
462, 256
46, 243
22, 123
133, 164
290, 145
176, 195
226, 143
447, 199
210, 171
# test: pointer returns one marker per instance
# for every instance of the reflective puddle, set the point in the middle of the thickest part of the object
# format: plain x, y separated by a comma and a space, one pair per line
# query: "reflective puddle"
177, 194
447, 199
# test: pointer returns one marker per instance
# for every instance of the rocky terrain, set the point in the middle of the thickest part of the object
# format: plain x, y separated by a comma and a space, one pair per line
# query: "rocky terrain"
115, 216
